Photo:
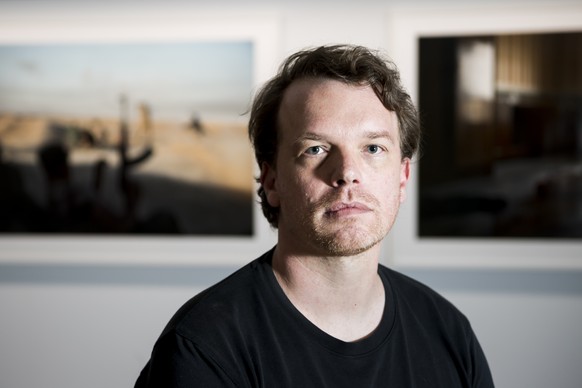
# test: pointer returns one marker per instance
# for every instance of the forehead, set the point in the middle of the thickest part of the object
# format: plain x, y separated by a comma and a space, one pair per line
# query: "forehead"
325, 104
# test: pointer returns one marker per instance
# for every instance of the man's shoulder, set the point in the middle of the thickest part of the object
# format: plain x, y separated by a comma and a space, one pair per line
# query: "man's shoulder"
217, 308
410, 286
415, 297
209, 335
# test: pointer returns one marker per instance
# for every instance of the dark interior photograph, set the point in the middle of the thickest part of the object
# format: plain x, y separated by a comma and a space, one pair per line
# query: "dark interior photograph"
502, 152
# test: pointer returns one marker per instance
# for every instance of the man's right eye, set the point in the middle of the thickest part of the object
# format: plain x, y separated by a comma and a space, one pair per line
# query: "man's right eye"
314, 150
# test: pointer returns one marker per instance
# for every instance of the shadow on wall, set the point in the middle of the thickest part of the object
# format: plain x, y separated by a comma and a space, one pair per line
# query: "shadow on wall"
502, 281
113, 275
491, 281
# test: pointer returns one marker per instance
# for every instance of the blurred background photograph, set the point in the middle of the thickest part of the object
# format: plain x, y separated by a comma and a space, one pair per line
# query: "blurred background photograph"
502, 116
126, 138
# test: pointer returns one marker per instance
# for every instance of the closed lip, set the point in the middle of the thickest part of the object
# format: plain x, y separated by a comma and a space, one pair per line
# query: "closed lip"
347, 207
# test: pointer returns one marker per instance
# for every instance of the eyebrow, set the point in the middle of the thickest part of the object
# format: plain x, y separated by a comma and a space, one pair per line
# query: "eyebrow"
369, 135
308, 136
379, 134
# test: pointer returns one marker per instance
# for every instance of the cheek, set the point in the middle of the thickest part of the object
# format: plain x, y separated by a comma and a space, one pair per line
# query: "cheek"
283, 191
390, 190
402, 195
297, 191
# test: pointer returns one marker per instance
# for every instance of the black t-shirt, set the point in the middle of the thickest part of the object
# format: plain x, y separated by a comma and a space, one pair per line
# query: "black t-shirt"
244, 332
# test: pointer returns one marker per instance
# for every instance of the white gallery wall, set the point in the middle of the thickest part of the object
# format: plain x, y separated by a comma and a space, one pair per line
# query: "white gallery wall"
86, 315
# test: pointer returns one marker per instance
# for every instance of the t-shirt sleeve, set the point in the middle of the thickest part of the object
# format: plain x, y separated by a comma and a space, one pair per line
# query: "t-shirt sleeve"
481, 374
177, 362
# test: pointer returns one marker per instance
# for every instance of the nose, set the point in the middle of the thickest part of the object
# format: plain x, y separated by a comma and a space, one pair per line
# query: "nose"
344, 169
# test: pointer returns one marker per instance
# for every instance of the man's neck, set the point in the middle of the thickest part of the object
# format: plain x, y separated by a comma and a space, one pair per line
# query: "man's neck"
343, 296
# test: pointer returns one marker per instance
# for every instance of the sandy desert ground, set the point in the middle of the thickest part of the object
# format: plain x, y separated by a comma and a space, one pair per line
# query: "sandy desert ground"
192, 173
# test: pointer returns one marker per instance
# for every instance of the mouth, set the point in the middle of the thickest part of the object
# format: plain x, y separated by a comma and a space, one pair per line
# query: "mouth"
345, 209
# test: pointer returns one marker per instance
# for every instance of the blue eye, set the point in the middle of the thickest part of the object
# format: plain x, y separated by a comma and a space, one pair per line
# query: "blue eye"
315, 150
373, 149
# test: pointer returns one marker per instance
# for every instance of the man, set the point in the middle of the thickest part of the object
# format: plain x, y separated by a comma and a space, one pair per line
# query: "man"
333, 133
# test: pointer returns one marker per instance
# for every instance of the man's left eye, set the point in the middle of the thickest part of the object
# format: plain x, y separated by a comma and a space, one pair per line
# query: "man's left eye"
373, 149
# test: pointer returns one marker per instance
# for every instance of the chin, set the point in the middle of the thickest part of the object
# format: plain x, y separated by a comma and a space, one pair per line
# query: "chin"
348, 242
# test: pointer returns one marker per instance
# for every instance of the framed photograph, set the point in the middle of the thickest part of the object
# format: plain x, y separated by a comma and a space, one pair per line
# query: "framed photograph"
499, 92
125, 141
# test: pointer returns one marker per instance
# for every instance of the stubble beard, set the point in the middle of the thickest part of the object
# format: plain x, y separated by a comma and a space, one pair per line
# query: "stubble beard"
350, 236
347, 242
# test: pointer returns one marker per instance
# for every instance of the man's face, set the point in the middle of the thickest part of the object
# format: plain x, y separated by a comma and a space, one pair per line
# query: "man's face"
339, 178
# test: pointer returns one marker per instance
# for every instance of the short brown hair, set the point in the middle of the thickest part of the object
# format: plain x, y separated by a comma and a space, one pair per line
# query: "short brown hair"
354, 65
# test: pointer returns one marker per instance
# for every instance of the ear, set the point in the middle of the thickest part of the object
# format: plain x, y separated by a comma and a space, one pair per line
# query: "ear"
268, 180
404, 176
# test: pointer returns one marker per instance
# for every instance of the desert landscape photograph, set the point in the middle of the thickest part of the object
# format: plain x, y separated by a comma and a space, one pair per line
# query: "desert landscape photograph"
126, 139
